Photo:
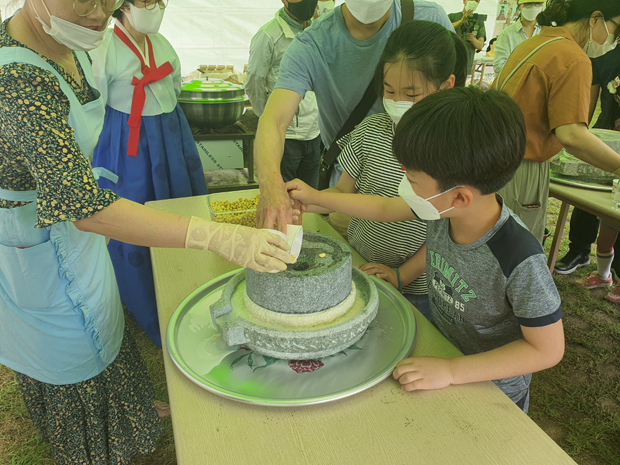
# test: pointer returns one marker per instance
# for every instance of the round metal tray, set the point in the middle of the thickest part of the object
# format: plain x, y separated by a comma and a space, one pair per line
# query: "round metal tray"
576, 183
243, 375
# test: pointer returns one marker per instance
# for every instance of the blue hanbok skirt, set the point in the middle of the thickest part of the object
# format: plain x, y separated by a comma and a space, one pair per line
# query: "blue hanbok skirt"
167, 166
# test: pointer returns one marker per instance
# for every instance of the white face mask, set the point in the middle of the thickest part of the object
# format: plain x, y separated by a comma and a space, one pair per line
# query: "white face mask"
145, 21
368, 11
422, 208
471, 6
69, 34
594, 50
395, 109
325, 7
530, 13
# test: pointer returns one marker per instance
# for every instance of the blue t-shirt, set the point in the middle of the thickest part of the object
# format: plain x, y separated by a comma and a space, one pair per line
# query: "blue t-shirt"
326, 59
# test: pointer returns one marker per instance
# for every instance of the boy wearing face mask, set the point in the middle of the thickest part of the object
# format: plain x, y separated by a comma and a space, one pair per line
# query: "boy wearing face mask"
302, 147
490, 291
471, 30
146, 142
517, 32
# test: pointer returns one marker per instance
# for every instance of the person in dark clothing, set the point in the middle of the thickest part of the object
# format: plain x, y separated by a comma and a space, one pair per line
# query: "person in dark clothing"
584, 226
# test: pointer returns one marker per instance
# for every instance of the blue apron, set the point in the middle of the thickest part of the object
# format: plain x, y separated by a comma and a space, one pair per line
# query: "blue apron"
61, 319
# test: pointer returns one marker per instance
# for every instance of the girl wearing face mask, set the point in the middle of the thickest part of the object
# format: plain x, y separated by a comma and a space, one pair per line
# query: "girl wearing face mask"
549, 76
148, 144
524, 28
420, 58
62, 326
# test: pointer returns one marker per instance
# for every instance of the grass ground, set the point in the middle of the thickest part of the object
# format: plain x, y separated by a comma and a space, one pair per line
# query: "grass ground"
577, 403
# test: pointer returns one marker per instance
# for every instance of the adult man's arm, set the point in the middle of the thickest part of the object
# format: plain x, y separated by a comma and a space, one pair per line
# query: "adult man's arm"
274, 204
477, 42
456, 19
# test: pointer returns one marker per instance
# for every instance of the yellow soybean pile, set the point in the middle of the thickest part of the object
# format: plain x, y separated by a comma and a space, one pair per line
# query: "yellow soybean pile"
226, 211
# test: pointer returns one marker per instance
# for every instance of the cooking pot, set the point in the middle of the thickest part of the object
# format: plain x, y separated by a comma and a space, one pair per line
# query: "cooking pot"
212, 103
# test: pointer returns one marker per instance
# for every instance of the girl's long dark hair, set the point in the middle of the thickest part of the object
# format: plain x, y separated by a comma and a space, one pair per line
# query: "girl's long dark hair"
428, 48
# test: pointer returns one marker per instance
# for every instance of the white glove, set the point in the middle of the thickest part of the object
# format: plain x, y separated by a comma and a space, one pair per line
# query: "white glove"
251, 248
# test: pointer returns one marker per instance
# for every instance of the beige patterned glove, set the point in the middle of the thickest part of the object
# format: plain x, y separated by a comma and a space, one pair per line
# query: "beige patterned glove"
248, 247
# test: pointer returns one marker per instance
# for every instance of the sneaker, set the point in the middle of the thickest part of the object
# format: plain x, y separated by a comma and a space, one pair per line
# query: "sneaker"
594, 280
614, 294
571, 261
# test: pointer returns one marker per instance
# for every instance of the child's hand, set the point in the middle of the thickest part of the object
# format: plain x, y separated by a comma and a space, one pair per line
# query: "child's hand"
302, 192
422, 373
381, 271
298, 209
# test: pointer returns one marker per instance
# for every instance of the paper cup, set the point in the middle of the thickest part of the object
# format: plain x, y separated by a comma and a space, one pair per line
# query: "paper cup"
294, 238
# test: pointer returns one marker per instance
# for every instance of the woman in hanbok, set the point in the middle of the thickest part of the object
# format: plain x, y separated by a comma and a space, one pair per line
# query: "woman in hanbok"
146, 140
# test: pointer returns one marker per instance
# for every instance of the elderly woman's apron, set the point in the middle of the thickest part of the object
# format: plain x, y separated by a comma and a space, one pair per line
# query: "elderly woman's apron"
61, 319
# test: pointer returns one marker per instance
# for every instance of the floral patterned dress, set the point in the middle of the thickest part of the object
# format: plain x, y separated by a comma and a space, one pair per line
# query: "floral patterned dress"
111, 417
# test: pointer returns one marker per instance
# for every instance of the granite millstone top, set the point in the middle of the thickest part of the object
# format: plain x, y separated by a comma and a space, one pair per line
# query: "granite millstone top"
319, 280
299, 344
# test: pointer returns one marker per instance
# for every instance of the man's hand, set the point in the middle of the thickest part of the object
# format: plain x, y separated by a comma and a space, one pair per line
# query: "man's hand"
274, 206
472, 38
381, 271
423, 373
466, 14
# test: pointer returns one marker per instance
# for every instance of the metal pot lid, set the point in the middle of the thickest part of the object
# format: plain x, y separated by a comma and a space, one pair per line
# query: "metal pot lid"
211, 91
185, 99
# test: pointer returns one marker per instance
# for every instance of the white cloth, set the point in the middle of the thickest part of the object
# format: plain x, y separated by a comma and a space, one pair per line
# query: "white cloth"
115, 65
266, 51
507, 41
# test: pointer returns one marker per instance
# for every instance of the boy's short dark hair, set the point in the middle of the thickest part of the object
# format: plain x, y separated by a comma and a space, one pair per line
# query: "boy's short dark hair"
463, 136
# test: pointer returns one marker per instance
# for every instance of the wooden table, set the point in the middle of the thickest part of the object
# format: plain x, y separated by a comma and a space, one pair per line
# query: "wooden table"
471, 424
596, 202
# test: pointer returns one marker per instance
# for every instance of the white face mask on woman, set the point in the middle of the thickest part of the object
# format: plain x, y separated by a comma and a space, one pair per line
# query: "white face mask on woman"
145, 21
69, 34
594, 50
530, 13
368, 11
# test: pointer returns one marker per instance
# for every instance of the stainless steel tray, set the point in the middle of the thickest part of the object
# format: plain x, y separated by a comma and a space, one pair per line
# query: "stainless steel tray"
244, 375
